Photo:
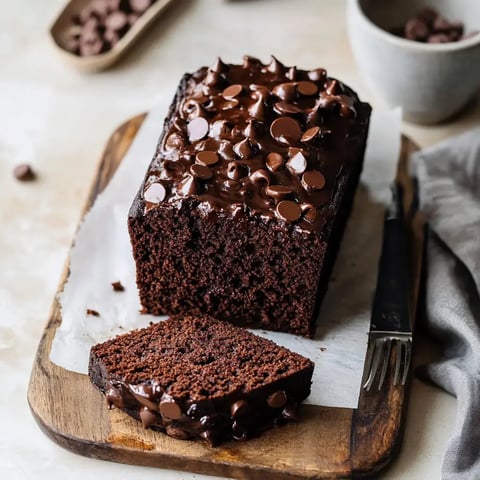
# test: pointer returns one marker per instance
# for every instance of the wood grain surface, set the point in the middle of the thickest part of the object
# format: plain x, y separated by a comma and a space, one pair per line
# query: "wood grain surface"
326, 443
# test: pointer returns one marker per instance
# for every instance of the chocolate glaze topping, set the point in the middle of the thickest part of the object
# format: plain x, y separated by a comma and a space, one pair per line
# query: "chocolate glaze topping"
248, 137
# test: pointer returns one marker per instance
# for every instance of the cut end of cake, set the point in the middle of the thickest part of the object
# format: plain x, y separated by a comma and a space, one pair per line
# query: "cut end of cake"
194, 377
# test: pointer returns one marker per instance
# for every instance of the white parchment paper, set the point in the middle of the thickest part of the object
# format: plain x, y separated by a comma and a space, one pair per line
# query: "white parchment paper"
102, 254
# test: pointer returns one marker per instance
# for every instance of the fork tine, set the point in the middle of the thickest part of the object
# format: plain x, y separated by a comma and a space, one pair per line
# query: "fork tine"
398, 362
377, 358
368, 365
386, 361
408, 358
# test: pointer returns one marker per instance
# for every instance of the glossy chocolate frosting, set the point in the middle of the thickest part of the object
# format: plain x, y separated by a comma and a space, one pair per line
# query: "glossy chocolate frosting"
266, 140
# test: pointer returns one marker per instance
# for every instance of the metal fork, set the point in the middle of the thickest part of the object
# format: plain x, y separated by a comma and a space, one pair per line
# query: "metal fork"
390, 321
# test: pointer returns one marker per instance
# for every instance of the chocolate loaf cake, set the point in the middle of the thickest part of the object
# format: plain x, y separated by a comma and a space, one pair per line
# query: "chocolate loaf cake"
243, 207
199, 378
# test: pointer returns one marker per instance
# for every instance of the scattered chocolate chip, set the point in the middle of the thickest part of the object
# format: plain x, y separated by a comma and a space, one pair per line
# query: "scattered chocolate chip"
257, 109
210, 437
24, 173
230, 185
147, 417
219, 66
114, 398
225, 150
286, 130
279, 191
332, 87
232, 91
239, 409
92, 312
274, 161
197, 129
275, 66
117, 286
212, 79
292, 73
310, 134
169, 408
290, 411
307, 88
201, 172
155, 193
279, 398
286, 108
230, 104
313, 180
309, 212
207, 158
297, 164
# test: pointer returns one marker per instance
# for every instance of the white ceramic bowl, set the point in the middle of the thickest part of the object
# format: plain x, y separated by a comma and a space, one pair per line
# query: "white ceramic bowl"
431, 82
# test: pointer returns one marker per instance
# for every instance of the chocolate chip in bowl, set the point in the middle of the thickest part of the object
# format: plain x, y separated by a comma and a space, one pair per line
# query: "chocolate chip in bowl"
425, 60
94, 34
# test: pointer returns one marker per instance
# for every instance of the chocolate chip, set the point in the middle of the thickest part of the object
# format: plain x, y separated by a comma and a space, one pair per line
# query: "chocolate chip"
260, 176
257, 109
236, 171
24, 173
285, 91
286, 108
279, 191
310, 134
313, 180
250, 131
275, 66
225, 150
117, 286
317, 75
174, 141
201, 172
290, 412
427, 14
438, 38
116, 21
139, 6
416, 29
307, 88
197, 129
297, 164
292, 73
332, 87
230, 185
212, 79
114, 398
92, 312
243, 149
91, 48
440, 24
155, 193
309, 212
286, 130
207, 158
219, 66
147, 417
288, 211
177, 432
232, 91
170, 409
187, 186
274, 161
239, 432
239, 409
111, 37
279, 398
210, 437
229, 104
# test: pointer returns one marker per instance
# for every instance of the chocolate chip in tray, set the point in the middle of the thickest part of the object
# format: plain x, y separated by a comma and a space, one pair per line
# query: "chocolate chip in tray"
100, 25
24, 173
117, 286
92, 312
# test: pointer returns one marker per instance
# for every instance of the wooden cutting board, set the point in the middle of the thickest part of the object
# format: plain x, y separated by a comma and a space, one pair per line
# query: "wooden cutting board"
326, 443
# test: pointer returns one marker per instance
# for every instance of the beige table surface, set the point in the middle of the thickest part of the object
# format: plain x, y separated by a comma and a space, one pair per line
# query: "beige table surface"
58, 120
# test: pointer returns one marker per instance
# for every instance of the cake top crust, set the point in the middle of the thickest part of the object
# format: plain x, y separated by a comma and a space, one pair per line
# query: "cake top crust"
266, 140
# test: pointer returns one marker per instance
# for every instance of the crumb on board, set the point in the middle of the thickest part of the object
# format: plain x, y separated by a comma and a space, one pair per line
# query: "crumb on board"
92, 312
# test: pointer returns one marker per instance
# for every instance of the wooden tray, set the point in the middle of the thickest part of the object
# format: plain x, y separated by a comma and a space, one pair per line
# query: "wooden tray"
327, 443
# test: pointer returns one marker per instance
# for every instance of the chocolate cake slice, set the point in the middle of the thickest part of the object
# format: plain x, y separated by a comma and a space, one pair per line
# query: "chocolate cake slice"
199, 378
242, 209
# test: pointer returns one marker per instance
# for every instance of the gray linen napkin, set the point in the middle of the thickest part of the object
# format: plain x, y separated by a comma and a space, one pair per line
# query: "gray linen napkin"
449, 182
